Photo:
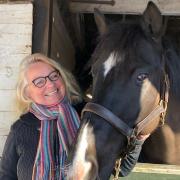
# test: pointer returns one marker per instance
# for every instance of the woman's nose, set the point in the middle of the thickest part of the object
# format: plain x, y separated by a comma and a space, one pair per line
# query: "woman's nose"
49, 82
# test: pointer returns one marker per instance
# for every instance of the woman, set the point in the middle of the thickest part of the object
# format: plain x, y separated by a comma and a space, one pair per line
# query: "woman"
38, 143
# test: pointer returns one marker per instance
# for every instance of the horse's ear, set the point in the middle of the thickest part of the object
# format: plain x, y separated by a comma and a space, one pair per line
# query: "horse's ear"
153, 20
100, 22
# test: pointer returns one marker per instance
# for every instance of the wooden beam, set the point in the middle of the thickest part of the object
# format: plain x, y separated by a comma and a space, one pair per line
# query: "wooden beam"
15, 1
157, 168
7, 118
13, 13
153, 172
15, 43
41, 26
167, 7
62, 49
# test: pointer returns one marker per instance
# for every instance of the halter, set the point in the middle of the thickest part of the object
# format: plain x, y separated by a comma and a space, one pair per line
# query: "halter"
123, 128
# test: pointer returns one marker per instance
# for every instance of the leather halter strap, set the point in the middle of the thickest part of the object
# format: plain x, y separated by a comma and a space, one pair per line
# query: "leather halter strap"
110, 117
120, 125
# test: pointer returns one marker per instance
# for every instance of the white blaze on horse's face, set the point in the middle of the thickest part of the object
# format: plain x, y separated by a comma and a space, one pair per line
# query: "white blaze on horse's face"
82, 165
109, 64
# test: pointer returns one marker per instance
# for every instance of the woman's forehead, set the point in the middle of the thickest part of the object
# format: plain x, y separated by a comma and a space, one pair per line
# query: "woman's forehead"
38, 69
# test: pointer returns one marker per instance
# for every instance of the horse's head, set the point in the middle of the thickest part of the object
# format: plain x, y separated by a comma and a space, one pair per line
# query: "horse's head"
128, 70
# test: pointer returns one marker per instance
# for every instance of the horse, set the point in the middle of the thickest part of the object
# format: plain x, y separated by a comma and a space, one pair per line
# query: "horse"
136, 84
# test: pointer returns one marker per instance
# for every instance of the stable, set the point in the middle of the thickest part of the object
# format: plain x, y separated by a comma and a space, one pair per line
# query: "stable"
66, 31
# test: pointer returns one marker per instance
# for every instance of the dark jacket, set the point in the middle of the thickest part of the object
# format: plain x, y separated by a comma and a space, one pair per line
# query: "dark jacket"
129, 162
20, 149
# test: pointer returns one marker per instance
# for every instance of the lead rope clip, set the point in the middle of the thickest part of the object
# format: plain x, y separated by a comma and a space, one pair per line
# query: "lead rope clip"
117, 169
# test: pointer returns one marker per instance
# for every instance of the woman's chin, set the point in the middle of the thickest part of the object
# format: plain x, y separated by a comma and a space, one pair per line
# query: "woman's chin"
54, 103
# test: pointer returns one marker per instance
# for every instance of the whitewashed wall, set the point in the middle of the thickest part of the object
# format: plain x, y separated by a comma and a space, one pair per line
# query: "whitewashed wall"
15, 44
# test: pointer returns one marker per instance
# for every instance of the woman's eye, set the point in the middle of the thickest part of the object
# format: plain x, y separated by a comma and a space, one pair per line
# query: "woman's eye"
39, 82
141, 77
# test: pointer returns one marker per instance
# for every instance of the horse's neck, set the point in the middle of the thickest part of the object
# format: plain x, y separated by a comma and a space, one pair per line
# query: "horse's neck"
173, 113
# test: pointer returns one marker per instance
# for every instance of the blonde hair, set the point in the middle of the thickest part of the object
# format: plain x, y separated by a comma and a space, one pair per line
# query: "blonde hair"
72, 88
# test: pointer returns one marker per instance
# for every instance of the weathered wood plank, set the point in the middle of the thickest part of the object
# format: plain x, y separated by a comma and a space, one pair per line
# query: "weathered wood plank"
167, 7
16, 13
62, 48
150, 176
153, 172
8, 99
2, 142
15, 44
15, 28
6, 120
157, 168
13, 40
9, 49
42, 26
11, 59
8, 77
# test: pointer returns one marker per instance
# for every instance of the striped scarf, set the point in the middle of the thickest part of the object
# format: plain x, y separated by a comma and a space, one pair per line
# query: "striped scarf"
59, 126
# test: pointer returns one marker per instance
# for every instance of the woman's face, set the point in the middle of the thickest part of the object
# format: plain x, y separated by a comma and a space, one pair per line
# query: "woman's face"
52, 92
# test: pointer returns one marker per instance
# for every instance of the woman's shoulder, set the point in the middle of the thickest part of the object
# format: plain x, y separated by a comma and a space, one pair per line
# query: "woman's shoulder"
25, 120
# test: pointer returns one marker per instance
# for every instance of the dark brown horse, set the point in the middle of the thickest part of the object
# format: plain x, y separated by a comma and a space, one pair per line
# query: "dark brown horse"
132, 65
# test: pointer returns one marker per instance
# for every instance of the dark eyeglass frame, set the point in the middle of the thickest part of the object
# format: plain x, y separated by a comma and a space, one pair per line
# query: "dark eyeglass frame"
45, 79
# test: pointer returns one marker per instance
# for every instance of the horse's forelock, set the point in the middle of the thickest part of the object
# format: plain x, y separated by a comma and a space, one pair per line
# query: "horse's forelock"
118, 42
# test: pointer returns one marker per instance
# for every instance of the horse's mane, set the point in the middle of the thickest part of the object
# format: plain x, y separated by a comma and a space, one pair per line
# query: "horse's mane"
173, 66
122, 38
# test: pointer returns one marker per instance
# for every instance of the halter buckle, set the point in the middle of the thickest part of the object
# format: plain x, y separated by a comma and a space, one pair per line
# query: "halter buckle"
163, 114
131, 141
164, 104
117, 169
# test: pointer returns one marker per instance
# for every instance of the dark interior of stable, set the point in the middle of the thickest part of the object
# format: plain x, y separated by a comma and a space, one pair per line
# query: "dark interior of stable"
82, 30
91, 36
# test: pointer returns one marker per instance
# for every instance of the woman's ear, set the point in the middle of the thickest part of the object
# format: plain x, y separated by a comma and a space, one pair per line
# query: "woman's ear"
27, 93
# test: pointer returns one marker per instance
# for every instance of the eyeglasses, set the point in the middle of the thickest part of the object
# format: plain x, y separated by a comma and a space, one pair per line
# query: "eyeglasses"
41, 81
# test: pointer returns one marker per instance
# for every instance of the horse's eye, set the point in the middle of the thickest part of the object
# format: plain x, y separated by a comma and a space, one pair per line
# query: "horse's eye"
141, 77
